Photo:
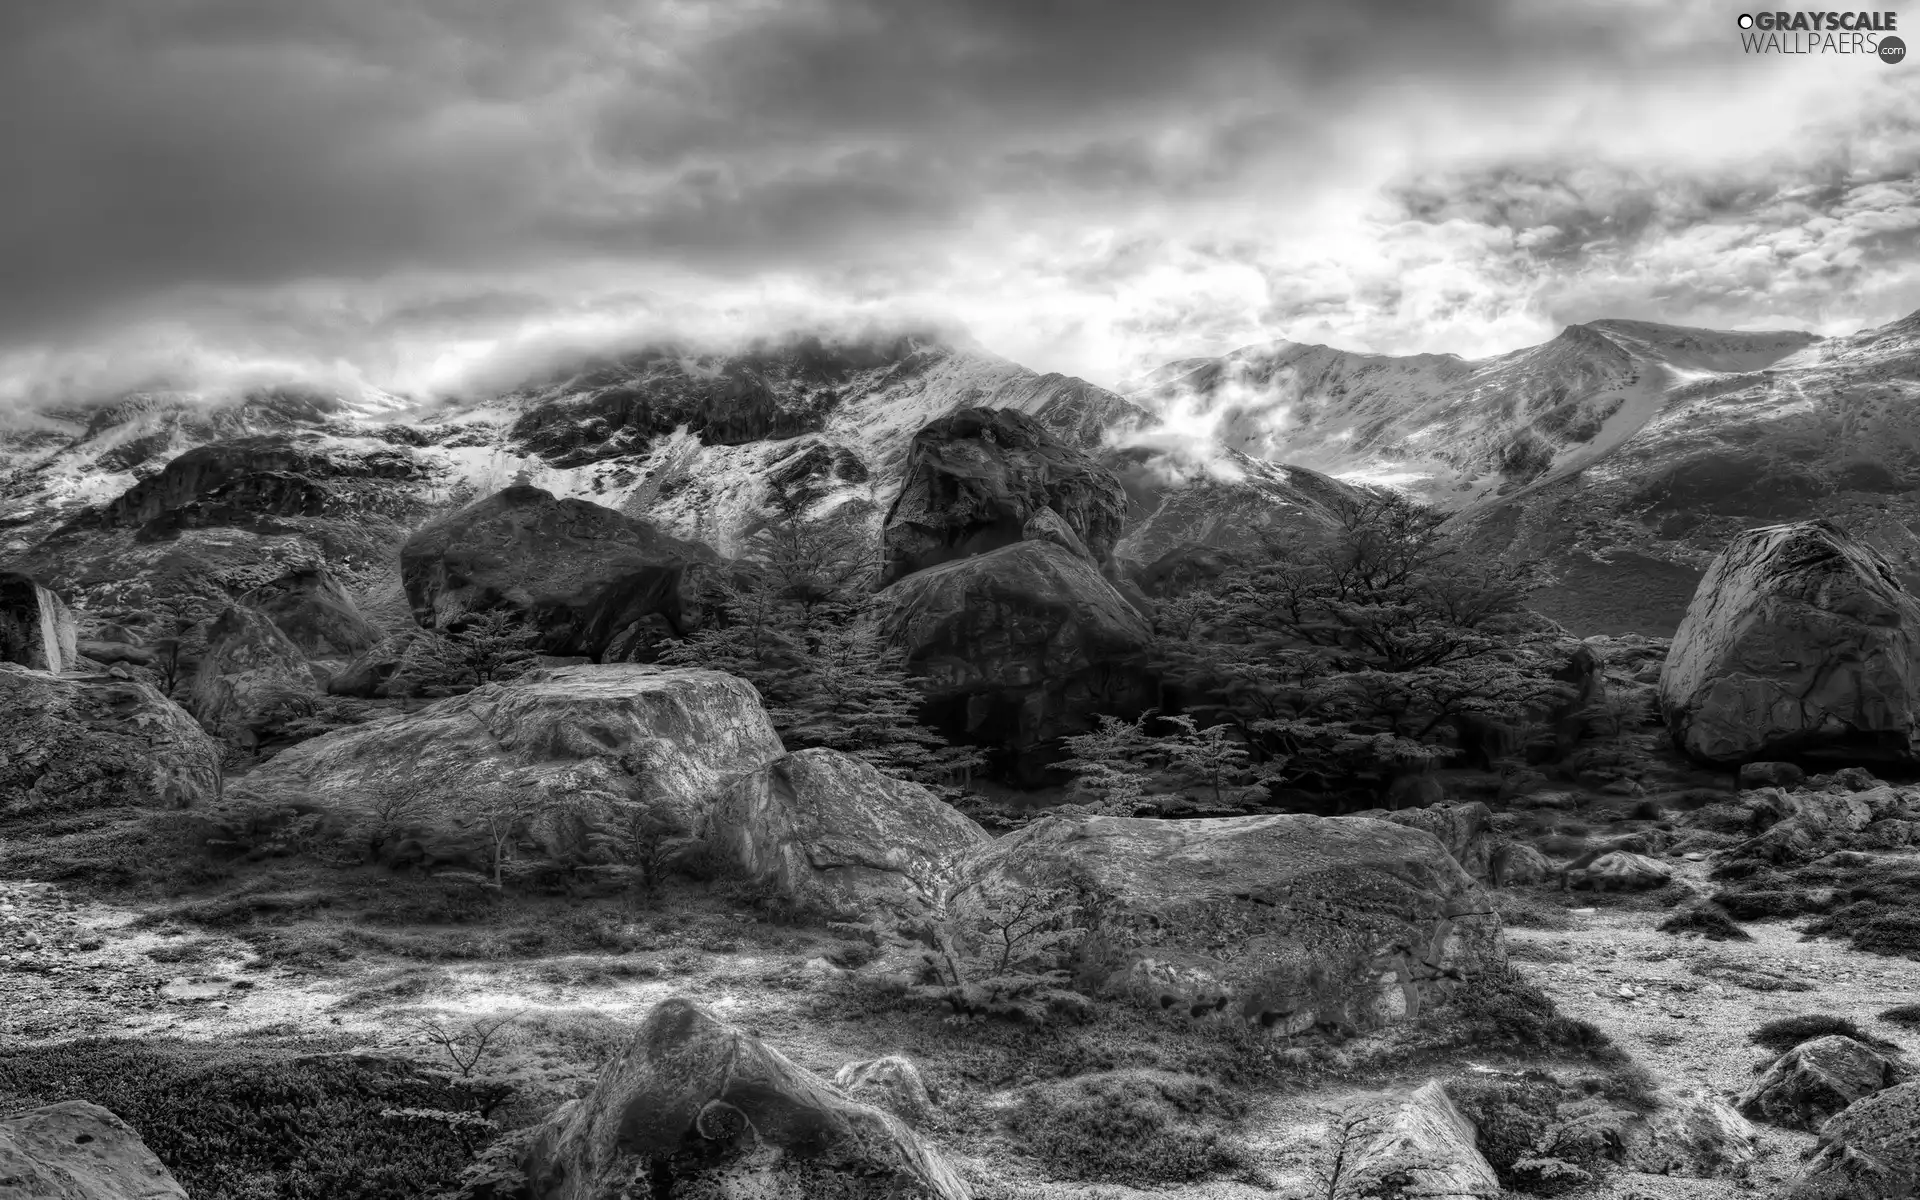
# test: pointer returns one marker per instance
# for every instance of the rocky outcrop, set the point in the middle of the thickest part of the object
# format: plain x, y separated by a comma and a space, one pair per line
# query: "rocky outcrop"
36, 627
1048, 526
835, 836
1800, 642
243, 479
695, 1107
976, 477
249, 677
587, 577
1285, 922
1871, 1151
675, 735
74, 1150
315, 612
76, 743
1815, 1080
1021, 644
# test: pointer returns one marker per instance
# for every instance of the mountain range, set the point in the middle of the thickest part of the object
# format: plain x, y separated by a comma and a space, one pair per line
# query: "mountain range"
1620, 455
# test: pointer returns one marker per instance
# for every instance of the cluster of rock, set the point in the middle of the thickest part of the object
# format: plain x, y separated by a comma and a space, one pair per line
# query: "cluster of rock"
1862, 1104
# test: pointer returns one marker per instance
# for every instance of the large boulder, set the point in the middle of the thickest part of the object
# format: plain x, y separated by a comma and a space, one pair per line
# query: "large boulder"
1282, 921
1815, 1080
251, 676
36, 627
696, 1107
1799, 642
589, 578
835, 836
1870, 1151
88, 742
315, 612
1021, 644
1695, 1134
976, 478
74, 1150
674, 735
1421, 1146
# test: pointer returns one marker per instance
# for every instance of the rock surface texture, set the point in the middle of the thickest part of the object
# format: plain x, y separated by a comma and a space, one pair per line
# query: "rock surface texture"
36, 627
588, 577
79, 1151
1285, 922
249, 674
1020, 644
1871, 1151
1423, 1147
74, 743
680, 734
977, 477
315, 613
695, 1107
1815, 1080
1800, 641
834, 835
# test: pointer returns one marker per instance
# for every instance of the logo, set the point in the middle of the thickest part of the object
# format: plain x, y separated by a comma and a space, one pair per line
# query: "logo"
1862, 33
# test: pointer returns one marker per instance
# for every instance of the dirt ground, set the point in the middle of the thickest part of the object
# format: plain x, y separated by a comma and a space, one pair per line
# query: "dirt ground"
72, 966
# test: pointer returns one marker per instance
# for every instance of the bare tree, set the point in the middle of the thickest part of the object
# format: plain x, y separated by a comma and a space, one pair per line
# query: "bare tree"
465, 1043
503, 810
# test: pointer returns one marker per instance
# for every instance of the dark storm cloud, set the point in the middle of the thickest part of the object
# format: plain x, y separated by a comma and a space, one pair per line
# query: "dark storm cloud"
313, 177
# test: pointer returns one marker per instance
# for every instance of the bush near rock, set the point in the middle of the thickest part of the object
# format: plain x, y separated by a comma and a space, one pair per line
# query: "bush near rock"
1285, 922
91, 742
1694, 1134
835, 836
696, 1107
37, 628
1869, 1151
1800, 641
1815, 1080
74, 1150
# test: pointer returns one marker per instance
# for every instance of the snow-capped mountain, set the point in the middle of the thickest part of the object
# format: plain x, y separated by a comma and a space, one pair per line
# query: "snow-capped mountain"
1621, 453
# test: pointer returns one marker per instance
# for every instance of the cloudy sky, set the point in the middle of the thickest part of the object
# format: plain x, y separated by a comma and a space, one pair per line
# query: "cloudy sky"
398, 190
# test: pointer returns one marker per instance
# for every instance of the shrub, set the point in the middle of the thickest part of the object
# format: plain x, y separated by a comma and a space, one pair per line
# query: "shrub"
1510, 1113
1784, 1034
263, 1125
1708, 920
1907, 1015
1500, 1008
1137, 1127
